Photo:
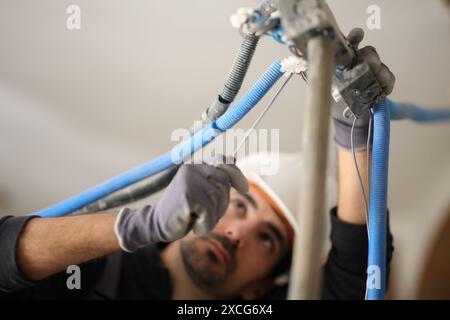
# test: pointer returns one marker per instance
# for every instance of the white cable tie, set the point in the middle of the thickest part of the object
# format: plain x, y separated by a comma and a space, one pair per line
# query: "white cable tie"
293, 65
240, 17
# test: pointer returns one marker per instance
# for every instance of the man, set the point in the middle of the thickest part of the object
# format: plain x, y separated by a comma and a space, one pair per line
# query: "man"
223, 239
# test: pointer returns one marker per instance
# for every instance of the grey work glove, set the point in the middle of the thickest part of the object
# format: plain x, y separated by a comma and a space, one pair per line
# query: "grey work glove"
386, 79
196, 198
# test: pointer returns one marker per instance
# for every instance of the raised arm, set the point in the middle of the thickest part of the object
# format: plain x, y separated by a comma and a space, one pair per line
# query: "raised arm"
351, 206
351, 202
345, 270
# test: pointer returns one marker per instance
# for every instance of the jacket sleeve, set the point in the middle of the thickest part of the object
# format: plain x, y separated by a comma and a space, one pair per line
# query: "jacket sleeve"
11, 278
345, 270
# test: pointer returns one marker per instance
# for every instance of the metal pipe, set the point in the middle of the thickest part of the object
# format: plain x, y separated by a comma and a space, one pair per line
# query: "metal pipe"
307, 260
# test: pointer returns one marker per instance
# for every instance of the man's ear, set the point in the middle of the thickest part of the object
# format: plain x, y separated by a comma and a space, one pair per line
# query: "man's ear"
258, 290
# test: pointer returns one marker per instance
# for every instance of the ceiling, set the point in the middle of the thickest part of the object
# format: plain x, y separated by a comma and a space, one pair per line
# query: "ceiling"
77, 107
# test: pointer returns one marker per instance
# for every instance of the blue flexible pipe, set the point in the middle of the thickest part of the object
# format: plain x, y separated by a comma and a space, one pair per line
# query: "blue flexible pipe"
415, 113
176, 155
383, 113
376, 270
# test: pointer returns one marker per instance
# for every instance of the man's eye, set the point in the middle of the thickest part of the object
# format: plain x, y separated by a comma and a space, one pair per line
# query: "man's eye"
267, 240
241, 207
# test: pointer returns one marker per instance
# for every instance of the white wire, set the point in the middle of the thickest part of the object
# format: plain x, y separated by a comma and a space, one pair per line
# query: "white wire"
263, 113
359, 176
369, 178
368, 166
366, 207
366, 200
361, 186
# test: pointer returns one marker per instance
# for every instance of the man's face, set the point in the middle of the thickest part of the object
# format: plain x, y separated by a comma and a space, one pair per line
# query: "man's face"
241, 251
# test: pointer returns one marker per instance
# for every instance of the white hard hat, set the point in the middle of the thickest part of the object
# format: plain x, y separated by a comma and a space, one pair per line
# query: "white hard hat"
277, 176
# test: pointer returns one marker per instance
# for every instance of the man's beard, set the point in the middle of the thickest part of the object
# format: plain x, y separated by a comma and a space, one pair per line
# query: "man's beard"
204, 268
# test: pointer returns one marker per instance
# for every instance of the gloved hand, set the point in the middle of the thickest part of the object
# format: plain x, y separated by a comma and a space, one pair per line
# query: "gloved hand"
386, 79
196, 198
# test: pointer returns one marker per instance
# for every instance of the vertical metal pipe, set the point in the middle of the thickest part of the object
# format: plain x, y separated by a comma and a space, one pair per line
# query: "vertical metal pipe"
306, 269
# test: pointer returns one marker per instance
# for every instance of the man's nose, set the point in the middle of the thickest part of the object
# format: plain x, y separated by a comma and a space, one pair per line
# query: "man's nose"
238, 232
234, 238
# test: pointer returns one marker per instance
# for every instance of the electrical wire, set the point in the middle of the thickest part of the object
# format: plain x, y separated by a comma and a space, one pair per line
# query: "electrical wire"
366, 207
369, 176
369, 153
262, 114
363, 192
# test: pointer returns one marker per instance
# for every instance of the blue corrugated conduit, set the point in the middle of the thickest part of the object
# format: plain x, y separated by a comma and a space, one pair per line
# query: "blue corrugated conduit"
383, 112
418, 114
176, 155
376, 270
